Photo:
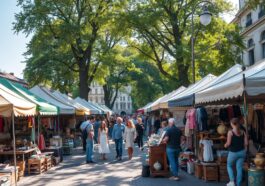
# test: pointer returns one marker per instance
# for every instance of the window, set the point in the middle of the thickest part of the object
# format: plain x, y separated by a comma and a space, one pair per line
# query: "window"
263, 43
123, 98
251, 55
96, 91
121, 106
129, 106
249, 20
96, 99
102, 100
120, 98
262, 11
117, 106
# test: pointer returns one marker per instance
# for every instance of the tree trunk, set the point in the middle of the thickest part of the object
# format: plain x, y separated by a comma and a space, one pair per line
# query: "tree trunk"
83, 82
107, 98
183, 73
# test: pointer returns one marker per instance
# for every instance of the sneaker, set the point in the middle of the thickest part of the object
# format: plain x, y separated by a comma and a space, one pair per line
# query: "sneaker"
92, 162
119, 159
175, 178
231, 183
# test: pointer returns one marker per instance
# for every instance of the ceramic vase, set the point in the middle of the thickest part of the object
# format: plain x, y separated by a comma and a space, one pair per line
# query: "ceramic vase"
259, 160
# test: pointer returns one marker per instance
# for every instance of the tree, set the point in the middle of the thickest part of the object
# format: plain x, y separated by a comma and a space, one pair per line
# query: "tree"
148, 83
162, 30
73, 27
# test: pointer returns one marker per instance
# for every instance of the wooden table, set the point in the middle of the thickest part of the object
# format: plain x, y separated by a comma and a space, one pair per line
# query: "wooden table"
18, 152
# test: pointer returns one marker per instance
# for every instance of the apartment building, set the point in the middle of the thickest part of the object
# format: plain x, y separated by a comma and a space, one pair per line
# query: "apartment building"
123, 102
252, 27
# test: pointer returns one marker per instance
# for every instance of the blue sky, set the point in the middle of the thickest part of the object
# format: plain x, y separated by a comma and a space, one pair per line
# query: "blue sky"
12, 46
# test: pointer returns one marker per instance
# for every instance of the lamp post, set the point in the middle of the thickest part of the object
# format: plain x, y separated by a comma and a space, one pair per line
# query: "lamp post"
205, 19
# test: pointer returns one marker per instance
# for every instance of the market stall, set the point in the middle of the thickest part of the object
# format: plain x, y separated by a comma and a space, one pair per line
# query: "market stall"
246, 88
11, 106
65, 121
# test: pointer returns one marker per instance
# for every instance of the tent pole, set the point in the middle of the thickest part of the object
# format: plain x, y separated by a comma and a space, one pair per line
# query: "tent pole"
246, 113
14, 146
58, 123
38, 129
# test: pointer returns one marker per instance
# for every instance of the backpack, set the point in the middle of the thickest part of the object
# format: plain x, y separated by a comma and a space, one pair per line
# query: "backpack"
84, 132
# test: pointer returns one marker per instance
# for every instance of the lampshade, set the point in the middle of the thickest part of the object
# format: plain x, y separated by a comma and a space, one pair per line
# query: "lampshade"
205, 17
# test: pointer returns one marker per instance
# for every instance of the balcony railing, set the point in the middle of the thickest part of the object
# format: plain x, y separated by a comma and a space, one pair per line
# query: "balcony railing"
248, 23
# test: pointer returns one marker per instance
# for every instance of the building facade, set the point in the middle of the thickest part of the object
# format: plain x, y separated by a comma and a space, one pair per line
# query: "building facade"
123, 102
252, 28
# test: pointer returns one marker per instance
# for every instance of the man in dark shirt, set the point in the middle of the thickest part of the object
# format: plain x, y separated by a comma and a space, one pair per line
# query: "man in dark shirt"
172, 139
157, 124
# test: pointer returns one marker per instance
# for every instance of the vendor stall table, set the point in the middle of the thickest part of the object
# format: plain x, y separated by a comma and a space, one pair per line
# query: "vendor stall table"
18, 152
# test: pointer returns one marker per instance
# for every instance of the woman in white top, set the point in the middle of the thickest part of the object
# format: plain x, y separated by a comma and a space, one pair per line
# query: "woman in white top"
129, 137
103, 140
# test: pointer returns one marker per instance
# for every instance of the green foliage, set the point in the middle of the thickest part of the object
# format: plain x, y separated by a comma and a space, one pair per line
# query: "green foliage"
74, 29
162, 33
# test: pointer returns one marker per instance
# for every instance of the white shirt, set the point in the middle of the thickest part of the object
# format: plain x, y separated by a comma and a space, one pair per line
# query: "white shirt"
207, 150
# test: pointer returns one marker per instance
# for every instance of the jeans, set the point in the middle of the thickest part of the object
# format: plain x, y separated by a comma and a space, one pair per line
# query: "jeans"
238, 158
173, 156
118, 145
140, 141
89, 149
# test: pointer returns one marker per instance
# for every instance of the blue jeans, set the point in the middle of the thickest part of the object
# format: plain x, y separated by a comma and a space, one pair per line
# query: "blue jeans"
238, 158
173, 156
118, 145
89, 149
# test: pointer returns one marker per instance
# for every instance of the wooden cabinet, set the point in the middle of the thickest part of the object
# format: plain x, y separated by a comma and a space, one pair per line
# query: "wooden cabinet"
158, 154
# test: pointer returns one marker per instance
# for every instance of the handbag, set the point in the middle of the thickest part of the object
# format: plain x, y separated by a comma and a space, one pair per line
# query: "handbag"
95, 147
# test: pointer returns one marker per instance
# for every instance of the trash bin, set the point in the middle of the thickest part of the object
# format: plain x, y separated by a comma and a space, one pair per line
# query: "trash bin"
145, 171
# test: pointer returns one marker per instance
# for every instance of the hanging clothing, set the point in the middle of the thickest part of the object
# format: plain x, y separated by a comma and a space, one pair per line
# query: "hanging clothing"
191, 118
207, 150
223, 115
187, 129
1, 124
237, 111
201, 119
230, 112
41, 142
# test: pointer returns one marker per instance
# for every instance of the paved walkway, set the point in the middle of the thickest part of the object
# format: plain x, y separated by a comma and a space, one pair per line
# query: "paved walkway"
74, 172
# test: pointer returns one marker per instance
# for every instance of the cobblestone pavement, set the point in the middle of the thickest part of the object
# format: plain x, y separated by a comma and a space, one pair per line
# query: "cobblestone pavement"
74, 172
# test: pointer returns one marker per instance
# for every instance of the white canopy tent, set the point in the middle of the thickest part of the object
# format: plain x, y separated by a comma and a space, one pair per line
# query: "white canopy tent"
82, 110
163, 102
46, 95
186, 98
93, 109
234, 87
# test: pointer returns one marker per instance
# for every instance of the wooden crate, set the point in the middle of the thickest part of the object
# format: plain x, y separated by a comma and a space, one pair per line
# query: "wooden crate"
36, 166
198, 170
48, 162
210, 171
223, 175
55, 160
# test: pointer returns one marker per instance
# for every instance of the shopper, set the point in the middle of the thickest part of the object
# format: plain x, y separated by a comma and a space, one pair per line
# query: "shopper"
103, 140
129, 137
96, 127
172, 139
83, 128
164, 127
140, 133
89, 142
157, 124
237, 142
117, 136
